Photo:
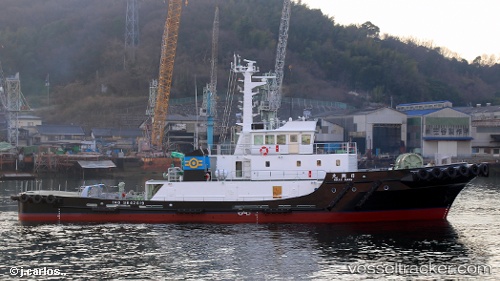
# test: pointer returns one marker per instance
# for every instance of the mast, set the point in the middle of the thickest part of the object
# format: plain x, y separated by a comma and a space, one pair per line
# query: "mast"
248, 87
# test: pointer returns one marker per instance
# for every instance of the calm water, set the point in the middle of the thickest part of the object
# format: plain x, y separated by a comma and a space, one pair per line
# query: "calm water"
464, 247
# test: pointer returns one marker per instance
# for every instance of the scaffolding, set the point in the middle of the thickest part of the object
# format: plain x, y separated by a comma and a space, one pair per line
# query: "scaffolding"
131, 31
13, 102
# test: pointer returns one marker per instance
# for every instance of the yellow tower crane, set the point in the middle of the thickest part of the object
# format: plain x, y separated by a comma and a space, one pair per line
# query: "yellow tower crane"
168, 48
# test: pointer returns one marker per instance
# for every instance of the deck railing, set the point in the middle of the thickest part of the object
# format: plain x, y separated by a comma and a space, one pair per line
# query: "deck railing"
269, 149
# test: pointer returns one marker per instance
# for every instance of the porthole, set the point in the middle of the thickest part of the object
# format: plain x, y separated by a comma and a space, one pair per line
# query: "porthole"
353, 189
334, 190
386, 187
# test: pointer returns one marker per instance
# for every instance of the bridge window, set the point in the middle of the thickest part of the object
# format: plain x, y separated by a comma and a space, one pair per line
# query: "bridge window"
281, 139
258, 139
306, 139
294, 138
270, 139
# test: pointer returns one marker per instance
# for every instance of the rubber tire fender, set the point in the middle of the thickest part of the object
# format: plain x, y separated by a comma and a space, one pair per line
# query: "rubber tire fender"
463, 170
51, 199
451, 172
24, 198
474, 169
37, 199
437, 173
484, 169
423, 174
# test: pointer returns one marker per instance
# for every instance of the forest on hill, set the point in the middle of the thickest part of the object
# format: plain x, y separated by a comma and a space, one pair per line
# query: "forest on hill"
77, 47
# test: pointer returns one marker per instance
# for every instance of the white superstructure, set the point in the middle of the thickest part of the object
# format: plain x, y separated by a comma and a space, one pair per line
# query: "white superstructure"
265, 164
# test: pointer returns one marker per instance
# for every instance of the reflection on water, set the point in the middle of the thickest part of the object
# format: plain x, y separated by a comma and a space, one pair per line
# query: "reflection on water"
249, 251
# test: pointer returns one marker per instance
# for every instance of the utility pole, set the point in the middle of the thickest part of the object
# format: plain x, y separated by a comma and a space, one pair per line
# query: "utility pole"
47, 85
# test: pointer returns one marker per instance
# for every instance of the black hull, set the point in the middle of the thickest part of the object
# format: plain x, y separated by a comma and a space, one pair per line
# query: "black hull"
342, 197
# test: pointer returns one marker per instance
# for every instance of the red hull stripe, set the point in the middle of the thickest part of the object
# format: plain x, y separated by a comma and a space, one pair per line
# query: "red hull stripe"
243, 217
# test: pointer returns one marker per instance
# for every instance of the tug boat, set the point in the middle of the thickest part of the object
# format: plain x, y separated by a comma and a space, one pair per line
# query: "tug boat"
271, 175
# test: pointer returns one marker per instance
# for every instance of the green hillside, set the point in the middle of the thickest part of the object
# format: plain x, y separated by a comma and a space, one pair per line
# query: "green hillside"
79, 46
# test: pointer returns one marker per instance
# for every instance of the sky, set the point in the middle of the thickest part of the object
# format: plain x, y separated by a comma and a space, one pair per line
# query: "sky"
470, 28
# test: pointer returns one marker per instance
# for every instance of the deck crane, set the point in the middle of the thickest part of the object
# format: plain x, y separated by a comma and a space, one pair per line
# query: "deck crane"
209, 105
215, 48
272, 101
168, 48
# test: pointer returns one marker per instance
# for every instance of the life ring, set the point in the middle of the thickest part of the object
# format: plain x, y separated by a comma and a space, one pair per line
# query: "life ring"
437, 173
474, 169
37, 199
423, 174
24, 198
484, 169
264, 150
50, 199
451, 172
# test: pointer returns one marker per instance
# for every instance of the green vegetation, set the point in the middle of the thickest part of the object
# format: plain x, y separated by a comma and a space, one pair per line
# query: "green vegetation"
80, 45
